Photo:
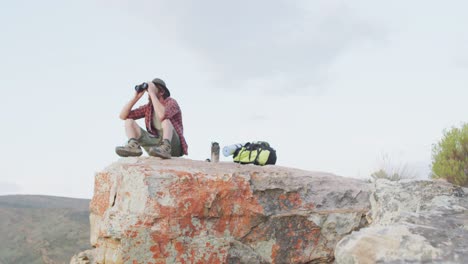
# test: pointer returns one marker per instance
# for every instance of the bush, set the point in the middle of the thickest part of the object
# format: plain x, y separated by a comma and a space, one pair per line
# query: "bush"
450, 156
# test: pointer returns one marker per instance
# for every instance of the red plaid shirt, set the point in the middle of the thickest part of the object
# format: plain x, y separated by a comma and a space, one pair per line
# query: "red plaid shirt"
172, 113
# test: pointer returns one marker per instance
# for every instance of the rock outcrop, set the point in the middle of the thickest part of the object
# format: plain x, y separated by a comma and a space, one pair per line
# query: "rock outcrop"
146, 210
412, 222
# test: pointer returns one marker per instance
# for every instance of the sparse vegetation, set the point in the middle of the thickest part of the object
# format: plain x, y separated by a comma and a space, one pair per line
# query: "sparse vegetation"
392, 171
42, 229
381, 174
450, 156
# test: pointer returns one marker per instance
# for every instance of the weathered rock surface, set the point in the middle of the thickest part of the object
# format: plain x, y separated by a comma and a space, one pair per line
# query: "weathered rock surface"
85, 257
412, 222
146, 210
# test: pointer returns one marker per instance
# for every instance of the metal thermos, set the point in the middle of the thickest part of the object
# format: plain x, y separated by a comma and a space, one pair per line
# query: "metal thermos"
214, 152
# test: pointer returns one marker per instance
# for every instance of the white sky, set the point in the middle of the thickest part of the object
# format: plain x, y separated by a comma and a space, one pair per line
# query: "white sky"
332, 85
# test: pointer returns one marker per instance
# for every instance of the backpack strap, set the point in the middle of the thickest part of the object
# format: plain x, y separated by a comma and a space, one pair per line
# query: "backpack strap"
259, 150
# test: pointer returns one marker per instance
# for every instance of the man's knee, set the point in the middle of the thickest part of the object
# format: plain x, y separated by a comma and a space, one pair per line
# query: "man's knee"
131, 125
129, 122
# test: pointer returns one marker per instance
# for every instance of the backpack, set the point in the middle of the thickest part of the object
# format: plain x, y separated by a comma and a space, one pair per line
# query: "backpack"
258, 153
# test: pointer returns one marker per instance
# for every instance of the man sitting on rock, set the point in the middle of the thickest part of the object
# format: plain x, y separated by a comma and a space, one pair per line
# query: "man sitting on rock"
164, 134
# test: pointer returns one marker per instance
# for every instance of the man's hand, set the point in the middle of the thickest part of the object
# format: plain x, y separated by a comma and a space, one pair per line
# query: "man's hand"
152, 89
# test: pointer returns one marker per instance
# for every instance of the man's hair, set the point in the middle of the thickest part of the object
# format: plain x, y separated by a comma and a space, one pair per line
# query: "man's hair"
165, 95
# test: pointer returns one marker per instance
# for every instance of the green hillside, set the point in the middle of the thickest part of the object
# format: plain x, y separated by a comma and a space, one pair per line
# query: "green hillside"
42, 229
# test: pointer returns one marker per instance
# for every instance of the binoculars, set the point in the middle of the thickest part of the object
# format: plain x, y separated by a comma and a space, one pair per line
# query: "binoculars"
141, 87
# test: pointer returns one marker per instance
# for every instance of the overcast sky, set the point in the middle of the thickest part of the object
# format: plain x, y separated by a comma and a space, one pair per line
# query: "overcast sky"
332, 85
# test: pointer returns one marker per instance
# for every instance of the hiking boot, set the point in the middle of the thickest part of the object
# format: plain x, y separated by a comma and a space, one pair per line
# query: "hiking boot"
132, 149
163, 151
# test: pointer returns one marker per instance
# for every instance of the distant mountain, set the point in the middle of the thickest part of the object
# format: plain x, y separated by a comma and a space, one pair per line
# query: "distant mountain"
42, 229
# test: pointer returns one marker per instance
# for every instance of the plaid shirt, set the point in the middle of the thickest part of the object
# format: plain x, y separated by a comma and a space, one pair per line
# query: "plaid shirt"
172, 113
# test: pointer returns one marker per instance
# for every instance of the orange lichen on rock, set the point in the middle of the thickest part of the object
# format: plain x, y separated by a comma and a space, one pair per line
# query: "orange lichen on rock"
215, 206
291, 200
274, 252
100, 202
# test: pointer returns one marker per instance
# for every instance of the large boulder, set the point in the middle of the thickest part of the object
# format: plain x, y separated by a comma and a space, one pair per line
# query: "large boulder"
412, 222
146, 210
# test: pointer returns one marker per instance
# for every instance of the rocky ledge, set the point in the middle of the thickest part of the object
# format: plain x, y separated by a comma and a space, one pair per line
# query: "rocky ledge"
412, 222
146, 210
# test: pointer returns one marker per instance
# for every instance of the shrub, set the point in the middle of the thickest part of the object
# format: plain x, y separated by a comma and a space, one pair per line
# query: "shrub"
450, 156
